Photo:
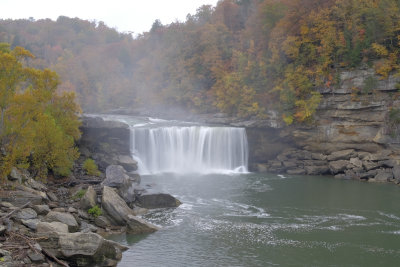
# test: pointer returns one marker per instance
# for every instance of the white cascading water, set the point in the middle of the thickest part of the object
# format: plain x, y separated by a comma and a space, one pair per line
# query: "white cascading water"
192, 149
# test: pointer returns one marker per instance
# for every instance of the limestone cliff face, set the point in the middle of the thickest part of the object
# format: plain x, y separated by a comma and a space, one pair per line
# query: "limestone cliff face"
355, 117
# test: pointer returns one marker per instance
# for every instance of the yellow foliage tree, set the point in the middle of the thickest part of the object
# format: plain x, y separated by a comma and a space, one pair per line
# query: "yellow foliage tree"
38, 127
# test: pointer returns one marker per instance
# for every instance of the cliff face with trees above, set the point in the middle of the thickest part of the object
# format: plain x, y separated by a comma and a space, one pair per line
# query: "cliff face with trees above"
328, 70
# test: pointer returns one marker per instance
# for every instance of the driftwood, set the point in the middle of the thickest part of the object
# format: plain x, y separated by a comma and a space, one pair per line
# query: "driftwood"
29, 243
48, 254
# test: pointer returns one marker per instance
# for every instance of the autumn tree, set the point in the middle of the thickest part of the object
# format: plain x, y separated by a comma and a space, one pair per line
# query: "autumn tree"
39, 127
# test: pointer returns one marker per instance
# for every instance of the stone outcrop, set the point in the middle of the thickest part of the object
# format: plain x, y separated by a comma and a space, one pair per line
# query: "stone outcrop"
106, 141
353, 135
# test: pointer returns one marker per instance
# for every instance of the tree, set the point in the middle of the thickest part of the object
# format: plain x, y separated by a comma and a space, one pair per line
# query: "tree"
38, 127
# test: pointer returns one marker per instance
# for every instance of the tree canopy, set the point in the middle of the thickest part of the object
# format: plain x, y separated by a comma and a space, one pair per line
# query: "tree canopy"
241, 57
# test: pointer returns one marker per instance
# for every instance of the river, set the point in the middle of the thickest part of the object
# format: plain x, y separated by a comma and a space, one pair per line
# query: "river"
236, 218
269, 220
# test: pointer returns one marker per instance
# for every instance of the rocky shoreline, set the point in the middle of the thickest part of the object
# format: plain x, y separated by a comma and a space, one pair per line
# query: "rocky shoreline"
345, 164
64, 222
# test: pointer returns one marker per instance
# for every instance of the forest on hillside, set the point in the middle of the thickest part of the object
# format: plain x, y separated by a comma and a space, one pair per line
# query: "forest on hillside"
241, 57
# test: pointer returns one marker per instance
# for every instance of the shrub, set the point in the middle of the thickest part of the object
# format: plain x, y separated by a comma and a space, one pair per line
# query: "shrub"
91, 168
79, 194
95, 211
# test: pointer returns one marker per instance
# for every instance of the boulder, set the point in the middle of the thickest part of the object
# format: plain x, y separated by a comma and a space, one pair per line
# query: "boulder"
115, 206
26, 214
67, 218
89, 199
31, 223
117, 177
120, 214
83, 249
137, 225
338, 166
57, 227
41, 209
154, 200
341, 155
127, 162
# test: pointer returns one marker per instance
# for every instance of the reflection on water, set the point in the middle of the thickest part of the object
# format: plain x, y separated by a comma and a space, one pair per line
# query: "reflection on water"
266, 220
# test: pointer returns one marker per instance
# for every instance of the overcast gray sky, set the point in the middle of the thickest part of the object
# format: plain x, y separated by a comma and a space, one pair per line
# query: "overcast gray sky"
136, 15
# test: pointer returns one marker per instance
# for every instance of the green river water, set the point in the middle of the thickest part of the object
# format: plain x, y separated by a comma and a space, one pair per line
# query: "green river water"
269, 220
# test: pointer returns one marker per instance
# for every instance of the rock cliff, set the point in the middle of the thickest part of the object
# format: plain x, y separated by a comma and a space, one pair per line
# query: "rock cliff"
354, 134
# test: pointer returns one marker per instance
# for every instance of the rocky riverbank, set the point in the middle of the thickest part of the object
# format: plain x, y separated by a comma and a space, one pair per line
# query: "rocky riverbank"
63, 222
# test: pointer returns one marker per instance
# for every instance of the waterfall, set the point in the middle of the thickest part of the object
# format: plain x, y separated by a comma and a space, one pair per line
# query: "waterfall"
190, 149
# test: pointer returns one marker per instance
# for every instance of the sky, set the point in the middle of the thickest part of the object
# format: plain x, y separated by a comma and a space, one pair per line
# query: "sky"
135, 16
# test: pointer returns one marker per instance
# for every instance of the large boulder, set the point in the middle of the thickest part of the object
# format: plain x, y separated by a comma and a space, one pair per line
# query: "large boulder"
26, 214
63, 217
120, 214
89, 199
83, 249
127, 162
154, 200
117, 177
